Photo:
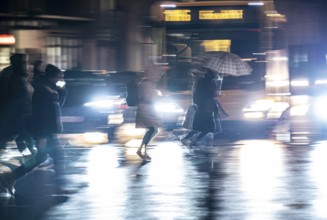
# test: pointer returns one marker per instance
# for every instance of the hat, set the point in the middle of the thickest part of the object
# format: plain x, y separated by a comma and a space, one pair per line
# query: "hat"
17, 58
52, 71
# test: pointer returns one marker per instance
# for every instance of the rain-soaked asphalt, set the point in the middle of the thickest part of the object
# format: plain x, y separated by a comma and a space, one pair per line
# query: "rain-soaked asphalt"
250, 179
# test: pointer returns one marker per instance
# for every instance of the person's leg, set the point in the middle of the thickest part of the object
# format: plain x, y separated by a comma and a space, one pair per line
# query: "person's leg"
8, 179
199, 137
57, 153
189, 135
149, 135
186, 140
21, 145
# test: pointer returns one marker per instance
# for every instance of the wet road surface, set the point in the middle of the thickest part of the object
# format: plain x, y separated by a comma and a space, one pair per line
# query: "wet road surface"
245, 179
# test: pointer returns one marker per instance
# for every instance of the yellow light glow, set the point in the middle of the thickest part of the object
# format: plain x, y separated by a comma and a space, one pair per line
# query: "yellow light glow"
254, 115
95, 137
222, 15
177, 15
217, 45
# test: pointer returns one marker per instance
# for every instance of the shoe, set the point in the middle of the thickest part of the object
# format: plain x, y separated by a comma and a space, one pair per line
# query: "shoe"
139, 153
194, 144
7, 180
186, 142
48, 162
146, 157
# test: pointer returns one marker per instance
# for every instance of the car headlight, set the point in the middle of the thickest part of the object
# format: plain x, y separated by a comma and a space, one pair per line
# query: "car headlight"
168, 107
300, 83
264, 108
106, 102
299, 110
320, 106
262, 105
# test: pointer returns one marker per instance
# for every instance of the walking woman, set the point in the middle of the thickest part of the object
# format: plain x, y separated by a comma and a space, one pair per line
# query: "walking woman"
204, 95
146, 114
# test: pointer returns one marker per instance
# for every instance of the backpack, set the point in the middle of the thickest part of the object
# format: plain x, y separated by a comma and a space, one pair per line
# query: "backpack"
132, 98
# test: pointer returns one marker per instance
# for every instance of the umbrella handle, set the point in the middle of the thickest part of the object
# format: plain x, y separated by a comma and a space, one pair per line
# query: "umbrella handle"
221, 82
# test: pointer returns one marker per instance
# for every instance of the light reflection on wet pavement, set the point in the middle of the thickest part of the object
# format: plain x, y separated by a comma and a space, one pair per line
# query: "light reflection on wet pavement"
248, 179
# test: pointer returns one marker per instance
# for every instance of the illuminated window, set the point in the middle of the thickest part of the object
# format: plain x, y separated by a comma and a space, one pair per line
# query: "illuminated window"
65, 52
177, 15
216, 45
5, 53
221, 15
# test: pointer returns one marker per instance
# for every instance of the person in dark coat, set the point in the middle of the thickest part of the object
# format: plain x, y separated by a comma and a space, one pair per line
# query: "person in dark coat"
46, 121
16, 104
146, 114
45, 125
204, 95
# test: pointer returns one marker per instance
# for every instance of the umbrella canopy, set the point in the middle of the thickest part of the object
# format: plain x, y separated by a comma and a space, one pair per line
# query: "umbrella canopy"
225, 63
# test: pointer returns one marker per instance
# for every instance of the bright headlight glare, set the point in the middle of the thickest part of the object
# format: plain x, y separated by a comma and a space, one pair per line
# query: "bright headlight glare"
299, 110
105, 102
95, 137
300, 83
321, 82
279, 106
260, 105
168, 107
254, 115
320, 107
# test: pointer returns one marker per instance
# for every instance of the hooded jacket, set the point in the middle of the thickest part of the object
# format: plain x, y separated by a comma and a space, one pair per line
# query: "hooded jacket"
146, 114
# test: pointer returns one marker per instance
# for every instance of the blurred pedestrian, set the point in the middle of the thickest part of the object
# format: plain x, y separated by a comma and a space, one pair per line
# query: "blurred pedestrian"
46, 121
204, 94
146, 114
15, 110
45, 125
38, 70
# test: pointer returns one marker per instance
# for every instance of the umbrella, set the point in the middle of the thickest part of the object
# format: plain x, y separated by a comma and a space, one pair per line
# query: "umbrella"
225, 63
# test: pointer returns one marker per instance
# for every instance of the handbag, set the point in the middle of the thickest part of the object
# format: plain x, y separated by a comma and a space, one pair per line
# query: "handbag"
189, 116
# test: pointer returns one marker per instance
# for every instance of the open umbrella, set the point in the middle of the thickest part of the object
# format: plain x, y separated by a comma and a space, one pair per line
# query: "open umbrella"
225, 63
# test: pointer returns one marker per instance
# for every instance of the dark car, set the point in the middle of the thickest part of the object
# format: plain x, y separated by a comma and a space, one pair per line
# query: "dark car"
95, 101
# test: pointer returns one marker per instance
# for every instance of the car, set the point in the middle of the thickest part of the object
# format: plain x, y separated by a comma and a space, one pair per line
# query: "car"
94, 103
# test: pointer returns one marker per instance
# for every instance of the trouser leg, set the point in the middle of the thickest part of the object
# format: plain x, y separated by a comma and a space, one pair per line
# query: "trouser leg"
149, 135
57, 153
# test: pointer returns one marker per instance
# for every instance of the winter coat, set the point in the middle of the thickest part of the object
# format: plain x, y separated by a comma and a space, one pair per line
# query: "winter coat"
146, 114
17, 107
46, 112
204, 97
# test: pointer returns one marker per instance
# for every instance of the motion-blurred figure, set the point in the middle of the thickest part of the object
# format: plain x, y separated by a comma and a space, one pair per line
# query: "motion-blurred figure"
46, 118
146, 114
15, 109
45, 125
204, 93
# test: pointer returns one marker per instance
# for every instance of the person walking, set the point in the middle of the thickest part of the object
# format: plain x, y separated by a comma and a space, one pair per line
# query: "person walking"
146, 114
204, 94
16, 98
45, 125
46, 121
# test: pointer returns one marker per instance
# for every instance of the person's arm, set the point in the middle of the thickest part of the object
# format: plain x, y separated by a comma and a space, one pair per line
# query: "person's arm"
62, 95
